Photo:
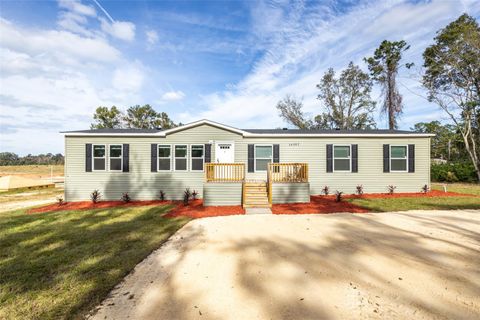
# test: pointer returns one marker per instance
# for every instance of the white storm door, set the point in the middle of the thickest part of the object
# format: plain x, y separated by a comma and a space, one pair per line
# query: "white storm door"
224, 152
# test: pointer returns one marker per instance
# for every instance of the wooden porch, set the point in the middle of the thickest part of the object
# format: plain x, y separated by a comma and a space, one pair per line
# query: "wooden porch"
256, 193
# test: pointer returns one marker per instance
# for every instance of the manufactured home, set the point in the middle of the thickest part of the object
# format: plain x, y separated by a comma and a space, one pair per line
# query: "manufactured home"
253, 167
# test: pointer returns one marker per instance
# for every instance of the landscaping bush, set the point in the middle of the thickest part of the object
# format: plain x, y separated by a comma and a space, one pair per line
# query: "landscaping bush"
453, 172
60, 201
359, 189
194, 195
425, 188
186, 196
326, 190
126, 197
391, 189
161, 195
338, 196
95, 196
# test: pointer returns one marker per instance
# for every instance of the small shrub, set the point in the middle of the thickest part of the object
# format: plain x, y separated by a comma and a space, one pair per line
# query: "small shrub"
359, 189
186, 196
95, 196
161, 195
338, 196
326, 190
126, 198
60, 201
194, 195
391, 189
425, 188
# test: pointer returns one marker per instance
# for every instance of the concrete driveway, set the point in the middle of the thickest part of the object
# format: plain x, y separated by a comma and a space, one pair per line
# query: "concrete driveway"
415, 265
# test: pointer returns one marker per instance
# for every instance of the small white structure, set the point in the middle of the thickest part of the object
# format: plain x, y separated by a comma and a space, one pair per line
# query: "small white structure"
16, 182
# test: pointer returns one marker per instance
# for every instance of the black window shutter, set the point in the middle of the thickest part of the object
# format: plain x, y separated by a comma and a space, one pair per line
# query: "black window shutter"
411, 158
251, 158
329, 157
88, 157
208, 153
153, 165
276, 153
354, 157
126, 158
386, 158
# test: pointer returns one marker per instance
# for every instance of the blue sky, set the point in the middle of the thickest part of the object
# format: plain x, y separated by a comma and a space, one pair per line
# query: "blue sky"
226, 61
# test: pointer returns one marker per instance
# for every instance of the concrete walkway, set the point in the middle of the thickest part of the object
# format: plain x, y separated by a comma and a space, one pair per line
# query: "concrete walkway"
414, 265
258, 211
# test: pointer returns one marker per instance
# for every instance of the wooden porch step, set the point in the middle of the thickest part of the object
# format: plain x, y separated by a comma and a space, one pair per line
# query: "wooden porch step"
256, 195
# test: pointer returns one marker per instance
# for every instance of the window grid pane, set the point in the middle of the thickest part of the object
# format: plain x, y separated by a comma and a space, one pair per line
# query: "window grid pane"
115, 164
342, 164
99, 151
164, 151
181, 164
263, 152
164, 164
99, 164
399, 152
181, 151
262, 164
115, 151
341, 151
197, 151
399, 165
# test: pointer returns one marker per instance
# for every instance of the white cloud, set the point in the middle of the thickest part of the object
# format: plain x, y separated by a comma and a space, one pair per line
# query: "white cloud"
129, 78
173, 95
122, 30
52, 81
62, 45
152, 37
77, 7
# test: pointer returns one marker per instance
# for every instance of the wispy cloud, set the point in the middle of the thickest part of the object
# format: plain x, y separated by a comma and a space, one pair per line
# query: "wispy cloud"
303, 40
173, 95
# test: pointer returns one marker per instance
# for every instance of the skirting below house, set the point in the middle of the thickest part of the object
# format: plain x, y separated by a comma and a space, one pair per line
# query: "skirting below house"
290, 192
222, 194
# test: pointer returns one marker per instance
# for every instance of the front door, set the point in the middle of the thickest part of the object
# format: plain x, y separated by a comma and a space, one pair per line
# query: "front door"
224, 152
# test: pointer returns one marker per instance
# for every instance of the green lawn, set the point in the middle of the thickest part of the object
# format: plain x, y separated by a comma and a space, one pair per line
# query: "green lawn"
402, 204
468, 188
61, 264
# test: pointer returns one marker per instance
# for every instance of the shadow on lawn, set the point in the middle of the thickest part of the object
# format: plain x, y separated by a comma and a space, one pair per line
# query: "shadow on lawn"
43, 257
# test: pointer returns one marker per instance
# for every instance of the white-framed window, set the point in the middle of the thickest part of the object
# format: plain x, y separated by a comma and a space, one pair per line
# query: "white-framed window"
399, 158
263, 156
164, 157
197, 156
181, 155
342, 158
115, 157
99, 157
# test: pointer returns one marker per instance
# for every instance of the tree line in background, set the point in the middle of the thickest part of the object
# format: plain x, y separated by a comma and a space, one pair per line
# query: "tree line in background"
12, 159
451, 77
138, 117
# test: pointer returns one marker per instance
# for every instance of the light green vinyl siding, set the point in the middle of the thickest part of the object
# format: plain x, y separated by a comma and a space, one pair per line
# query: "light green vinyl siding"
290, 192
143, 184
140, 183
222, 194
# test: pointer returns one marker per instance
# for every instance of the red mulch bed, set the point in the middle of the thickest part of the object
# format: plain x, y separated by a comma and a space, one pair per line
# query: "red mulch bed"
194, 210
327, 204
318, 204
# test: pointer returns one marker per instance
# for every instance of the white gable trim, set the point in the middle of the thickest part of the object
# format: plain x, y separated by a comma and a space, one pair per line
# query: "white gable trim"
199, 123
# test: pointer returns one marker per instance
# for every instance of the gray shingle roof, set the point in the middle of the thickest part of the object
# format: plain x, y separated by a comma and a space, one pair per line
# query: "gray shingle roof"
323, 131
115, 131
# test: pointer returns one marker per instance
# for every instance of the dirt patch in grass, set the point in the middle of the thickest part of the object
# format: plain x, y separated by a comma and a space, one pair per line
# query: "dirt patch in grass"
195, 209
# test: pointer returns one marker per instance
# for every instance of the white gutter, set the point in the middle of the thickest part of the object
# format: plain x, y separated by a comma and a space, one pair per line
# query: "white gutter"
270, 135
